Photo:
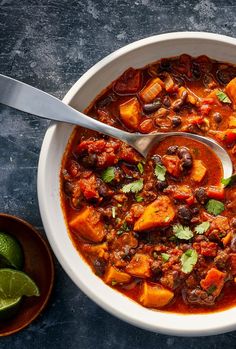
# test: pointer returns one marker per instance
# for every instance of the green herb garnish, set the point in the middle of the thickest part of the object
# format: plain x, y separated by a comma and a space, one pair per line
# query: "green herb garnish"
202, 228
123, 228
188, 260
229, 181
165, 256
140, 167
160, 172
113, 283
108, 175
181, 232
138, 198
215, 207
223, 97
133, 187
211, 289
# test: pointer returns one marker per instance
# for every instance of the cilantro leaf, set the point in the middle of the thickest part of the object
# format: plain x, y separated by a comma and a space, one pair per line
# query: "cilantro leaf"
181, 232
202, 228
140, 167
223, 97
133, 187
229, 181
188, 260
165, 256
138, 198
108, 174
123, 228
215, 207
160, 172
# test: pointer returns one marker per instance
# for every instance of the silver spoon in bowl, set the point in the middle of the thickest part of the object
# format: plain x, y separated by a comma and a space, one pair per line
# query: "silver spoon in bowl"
21, 96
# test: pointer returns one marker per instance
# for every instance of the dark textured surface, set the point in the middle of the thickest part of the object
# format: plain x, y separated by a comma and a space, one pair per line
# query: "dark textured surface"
50, 44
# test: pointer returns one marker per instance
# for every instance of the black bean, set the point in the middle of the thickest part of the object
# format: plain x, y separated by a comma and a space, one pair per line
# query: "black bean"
201, 195
196, 71
166, 101
177, 104
89, 160
217, 117
104, 190
172, 150
99, 266
184, 154
161, 185
184, 213
157, 159
223, 76
195, 210
151, 107
176, 121
68, 187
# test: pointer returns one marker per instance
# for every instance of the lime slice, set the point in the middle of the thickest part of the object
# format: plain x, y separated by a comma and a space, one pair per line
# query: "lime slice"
11, 253
15, 283
9, 307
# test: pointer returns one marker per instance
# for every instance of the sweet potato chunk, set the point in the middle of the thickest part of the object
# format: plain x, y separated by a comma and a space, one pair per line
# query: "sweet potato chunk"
114, 275
139, 266
130, 113
172, 164
157, 214
213, 282
231, 90
88, 225
198, 171
151, 90
155, 296
232, 121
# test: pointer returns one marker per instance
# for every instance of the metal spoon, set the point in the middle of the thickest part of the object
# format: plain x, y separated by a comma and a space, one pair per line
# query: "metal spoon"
31, 100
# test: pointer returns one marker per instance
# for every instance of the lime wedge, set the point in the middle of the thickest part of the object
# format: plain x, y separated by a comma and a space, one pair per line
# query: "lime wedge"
11, 253
9, 307
15, 283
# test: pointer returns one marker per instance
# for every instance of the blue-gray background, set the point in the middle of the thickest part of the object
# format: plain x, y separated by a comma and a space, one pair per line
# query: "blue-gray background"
50, 44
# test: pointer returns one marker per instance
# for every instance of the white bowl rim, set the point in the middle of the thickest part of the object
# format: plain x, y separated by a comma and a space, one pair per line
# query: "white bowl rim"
99, 299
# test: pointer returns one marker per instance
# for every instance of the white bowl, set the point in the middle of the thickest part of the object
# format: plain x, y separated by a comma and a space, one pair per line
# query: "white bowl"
137, 54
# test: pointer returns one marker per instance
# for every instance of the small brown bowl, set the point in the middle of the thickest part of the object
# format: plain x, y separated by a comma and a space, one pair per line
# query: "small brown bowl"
38, 265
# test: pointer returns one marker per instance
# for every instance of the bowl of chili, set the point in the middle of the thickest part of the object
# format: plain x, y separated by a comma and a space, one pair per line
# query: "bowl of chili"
149, 240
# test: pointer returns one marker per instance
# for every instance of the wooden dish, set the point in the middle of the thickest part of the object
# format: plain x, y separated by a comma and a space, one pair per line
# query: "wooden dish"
38, 264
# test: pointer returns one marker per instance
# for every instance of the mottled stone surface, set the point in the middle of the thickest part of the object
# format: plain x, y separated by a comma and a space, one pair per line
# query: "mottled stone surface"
50, 44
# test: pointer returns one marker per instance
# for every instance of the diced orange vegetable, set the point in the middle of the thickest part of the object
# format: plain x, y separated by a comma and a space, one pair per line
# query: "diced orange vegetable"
97, 250
182, 192
155, 296
139, 266
226, 240
217, 193
159, 213
88, 225
232, 121
172, 164
198, 171
213, 282
113, 275
220, 223
229, 136
230, 89
151, 90
190, 98
130, 113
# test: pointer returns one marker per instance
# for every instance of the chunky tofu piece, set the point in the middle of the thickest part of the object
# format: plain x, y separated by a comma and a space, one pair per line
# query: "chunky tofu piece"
231, 90
151, 90
213, 282
159, 213
130, 113
114, 275
139, 266
155, 296
88, 225
198, 171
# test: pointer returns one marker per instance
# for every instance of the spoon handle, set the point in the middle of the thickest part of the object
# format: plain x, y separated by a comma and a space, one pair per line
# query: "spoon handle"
18, 95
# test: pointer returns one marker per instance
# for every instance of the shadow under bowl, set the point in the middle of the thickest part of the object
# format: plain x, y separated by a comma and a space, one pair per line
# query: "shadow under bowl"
38, 264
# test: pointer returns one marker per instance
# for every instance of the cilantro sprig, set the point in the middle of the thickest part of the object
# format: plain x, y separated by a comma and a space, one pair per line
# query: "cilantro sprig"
188, 260
108, 174
223, 97
202, 228
160, 172
133, 187
215, 207
229, 181
181, 232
